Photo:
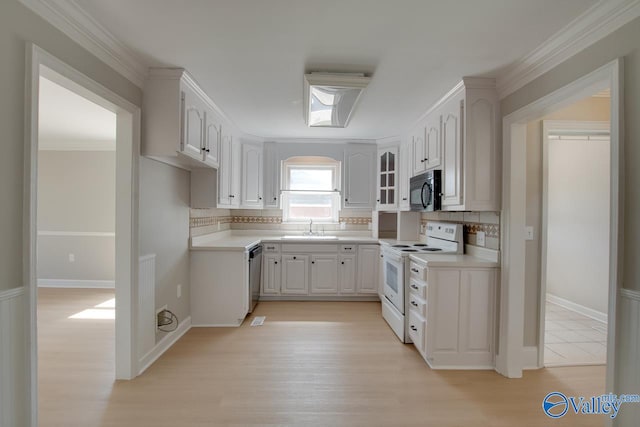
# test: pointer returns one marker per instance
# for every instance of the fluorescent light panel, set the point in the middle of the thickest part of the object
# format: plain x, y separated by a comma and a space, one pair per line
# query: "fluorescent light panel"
330, 98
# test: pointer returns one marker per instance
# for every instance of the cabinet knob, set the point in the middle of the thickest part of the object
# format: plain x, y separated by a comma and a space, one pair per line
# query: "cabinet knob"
275, 198
346, 200
415, 270
208, 151
413, 303
422, 161
259, 198
413, 328
313, 262
378, 200
231, 196
404, 198
426, 160
342, 262
294, 258
275, 262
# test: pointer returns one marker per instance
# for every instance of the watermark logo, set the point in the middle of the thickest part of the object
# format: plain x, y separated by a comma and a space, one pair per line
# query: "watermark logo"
556, 404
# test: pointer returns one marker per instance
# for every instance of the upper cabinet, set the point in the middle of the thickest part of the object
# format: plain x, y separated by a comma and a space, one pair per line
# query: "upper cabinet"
427, 145
359, 175
387, 178
181, 125
229, 172
271, 179
252, 176
471, 147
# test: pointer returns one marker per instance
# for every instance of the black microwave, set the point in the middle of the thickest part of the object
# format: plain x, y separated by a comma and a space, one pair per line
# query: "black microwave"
425, 191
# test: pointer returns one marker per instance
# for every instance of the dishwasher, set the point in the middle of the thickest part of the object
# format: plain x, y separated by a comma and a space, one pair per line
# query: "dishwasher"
255, 269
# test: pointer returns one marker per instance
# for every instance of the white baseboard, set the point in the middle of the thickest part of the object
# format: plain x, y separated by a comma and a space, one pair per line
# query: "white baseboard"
164, 345
581, 309
64, 283
530, 357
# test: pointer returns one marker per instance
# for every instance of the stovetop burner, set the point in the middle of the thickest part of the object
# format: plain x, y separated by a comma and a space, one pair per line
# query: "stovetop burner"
400, 246
420, 245
409, 250
430, 249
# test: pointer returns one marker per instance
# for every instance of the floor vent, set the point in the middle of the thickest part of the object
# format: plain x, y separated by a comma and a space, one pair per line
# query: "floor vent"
258, 321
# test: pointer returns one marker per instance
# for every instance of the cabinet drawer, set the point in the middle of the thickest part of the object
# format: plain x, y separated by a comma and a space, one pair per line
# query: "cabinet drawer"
418, 288
348, 249
418, 304
271, 247
416, 329
309, 248
418, 271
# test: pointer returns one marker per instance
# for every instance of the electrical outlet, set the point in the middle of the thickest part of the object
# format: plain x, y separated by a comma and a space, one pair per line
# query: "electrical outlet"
179, 290
158, 311
480, 238
423, 228
72, 257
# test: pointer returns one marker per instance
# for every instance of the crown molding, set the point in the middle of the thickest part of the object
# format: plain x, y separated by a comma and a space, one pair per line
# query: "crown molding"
597, 22
76, 23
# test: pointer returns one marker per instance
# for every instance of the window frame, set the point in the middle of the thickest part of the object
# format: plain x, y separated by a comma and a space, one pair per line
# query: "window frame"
316, 163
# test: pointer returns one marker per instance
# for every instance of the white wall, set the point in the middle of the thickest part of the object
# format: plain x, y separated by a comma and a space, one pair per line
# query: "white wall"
164, 231
76, 194
578, 222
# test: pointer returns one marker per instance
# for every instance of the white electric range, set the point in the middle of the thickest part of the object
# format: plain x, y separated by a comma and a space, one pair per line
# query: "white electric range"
442, 238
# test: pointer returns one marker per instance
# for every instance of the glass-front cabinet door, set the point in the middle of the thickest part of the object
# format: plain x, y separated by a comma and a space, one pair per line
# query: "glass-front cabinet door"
387, 178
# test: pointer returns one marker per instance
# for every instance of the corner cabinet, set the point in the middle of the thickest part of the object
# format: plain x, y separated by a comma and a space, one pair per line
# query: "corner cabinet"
251, 176
359, 169
471, 154
181, 126
387, 178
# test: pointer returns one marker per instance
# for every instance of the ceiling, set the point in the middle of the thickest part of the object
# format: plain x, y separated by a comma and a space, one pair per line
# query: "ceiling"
250, 56
69, 122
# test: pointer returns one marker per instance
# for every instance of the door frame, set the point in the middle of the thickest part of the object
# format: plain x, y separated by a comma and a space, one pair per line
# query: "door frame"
39, 62
548, 127
510, 360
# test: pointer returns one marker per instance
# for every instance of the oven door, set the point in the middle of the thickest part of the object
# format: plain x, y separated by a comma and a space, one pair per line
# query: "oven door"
394, 279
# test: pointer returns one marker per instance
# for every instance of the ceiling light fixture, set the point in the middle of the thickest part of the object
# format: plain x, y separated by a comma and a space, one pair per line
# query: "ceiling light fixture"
329, 98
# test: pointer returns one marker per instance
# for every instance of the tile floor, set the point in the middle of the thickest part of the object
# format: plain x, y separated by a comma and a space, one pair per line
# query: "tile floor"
573, 339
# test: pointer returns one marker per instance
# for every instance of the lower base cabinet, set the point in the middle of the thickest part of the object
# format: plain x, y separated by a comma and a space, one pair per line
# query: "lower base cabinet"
319, 271
454, 327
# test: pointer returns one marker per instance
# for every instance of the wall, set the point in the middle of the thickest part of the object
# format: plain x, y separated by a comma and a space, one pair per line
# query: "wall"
164, 231
625, 42
18, 25
589, 109
577, 222
76, 193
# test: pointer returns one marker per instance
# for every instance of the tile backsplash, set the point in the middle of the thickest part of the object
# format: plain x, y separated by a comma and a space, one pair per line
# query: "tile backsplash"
205, 221
489, 222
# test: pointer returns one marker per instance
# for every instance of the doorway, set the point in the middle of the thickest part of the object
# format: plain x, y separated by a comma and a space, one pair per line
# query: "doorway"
574, 264
512, 356
42, 64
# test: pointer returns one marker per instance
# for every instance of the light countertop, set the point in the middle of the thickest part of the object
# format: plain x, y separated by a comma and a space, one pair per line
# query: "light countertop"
445, 260
230, 241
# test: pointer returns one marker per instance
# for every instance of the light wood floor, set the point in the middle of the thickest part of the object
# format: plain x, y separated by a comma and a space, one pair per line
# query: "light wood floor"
311, 364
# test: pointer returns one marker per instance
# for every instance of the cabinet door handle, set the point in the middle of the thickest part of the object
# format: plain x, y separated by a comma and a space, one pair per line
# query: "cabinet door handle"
422, 161
232, 196
404, 198
413, 303
426, 160
415, 270
208, 150
413, 328
414, 287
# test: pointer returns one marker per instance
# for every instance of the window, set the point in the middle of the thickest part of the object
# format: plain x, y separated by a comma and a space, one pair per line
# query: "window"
311, 189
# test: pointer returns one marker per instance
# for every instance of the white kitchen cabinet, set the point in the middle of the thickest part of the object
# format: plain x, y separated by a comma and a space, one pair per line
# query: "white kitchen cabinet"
251, 176
229, 172
324, 274
219, 293
452, 116
295, 275
457, 316
471, 155
271, 176
404, 176
368, 256
212, 136
176, 126
387, 164
427, 144
271, 274
347, 274
359, 176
